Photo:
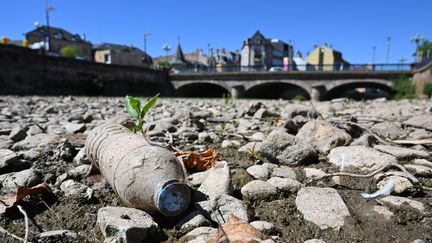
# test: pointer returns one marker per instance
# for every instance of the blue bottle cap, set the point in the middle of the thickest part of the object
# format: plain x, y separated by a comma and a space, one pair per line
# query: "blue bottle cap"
173, 198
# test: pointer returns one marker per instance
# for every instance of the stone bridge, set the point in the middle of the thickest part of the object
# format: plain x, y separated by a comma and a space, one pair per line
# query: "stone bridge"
316, 85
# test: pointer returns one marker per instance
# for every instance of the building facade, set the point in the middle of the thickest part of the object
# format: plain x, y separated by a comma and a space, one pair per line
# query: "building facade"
121, 54
325, 58
260, 53
57, 39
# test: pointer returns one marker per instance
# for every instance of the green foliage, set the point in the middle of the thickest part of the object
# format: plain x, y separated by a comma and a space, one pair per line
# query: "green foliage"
425, 46
228, 99
94, 86
299, 98
135, 110
161, 65
223, 129
427, 89
70, 51
404, 89
269, 127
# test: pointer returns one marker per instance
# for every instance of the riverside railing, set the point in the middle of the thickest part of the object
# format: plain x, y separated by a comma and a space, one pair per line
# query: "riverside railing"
299, 68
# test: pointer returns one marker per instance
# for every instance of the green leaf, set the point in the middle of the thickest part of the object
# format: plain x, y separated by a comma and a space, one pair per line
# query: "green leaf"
149, 105
133, 106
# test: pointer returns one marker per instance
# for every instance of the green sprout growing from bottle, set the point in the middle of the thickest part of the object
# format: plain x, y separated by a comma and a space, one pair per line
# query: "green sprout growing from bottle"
137, 111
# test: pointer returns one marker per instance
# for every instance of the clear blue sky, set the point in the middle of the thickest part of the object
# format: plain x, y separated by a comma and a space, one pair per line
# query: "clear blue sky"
353, 27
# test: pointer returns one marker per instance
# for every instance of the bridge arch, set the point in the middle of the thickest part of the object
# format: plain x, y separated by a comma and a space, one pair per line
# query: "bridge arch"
275, 89
360, 89
200, 89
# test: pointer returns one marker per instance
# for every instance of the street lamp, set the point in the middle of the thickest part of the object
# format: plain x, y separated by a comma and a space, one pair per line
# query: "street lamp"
48, 36
416, 39
166, 48
388, 49
146, 34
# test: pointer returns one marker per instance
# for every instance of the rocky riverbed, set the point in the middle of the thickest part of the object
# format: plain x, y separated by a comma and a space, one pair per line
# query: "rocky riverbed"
276, 160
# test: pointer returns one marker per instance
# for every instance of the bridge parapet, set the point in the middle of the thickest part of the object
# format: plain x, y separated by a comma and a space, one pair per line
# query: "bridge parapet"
286, 84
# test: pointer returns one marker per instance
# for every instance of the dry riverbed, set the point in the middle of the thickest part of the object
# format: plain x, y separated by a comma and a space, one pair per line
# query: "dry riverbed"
275, 161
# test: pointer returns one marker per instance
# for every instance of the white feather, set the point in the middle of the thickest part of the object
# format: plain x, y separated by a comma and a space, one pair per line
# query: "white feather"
386, 190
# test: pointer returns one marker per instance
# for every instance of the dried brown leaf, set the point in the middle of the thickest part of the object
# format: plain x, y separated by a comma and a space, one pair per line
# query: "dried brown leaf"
8, 201
235, 231
198, 161
279, 122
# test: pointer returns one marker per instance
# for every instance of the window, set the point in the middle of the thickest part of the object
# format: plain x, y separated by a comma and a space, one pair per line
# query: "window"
107, 58
58, 35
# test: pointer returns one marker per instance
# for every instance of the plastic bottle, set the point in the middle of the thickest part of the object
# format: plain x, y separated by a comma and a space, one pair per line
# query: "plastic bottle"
144, 176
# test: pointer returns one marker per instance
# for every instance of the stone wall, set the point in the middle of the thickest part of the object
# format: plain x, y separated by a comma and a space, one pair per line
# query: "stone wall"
25, 72
422, 76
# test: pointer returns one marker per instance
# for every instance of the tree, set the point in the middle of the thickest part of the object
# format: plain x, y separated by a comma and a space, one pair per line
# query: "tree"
424, 49
71, 51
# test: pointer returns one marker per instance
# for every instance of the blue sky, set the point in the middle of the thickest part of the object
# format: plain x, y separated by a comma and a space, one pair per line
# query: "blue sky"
352, 27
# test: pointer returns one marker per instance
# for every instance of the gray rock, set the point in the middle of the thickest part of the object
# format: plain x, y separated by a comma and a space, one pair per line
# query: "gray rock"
230, 144
312, 173
128, 224
11, 181
323, 135
315, 241
322, 206
422, 121
284, 172
5, 142
257, 137
38, 140
387, 214
422, 162
18, 133
74, 127
281, 147
81, 157
258, 190
251, 146
391, 130
285, 184
198, 178
263, 226
200, 114
262, 113
7, 157
398, 201
419, 134
218, 181
360, 157
226, 204
254, 107
56, 236
402, 153
366, 140
166, 124
200, 232
192, 221
420, 170
293, 110
261, 172
72, 188
401, 184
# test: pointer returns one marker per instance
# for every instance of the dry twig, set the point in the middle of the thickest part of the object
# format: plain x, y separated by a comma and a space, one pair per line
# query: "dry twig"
26, 223
412, 178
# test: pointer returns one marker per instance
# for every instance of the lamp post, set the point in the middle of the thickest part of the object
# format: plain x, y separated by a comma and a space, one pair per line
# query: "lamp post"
388, 49
166, 48
48, 35
373, 54
416, 39
146, 34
